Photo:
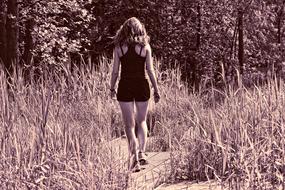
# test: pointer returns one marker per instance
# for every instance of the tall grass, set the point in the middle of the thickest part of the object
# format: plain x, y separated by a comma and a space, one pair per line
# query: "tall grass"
54, 131
237, 140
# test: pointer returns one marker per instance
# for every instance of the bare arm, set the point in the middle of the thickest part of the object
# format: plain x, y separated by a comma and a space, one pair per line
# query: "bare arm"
115, 72
150, 70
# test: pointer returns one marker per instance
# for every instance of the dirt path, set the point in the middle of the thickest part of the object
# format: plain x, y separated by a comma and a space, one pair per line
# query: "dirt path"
186, 185
152, 174
155, 174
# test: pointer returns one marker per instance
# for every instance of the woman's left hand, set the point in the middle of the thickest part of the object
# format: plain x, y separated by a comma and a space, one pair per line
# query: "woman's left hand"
156, 97
113, 94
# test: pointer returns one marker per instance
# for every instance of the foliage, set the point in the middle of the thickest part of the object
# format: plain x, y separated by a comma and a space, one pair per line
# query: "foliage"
211, 134
201, 35
60, 28
54, 132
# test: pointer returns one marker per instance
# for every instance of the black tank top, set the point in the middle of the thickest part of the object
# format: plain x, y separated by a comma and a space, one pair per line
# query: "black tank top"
133, 64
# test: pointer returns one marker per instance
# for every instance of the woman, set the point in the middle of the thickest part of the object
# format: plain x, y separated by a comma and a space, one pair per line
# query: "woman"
133, 52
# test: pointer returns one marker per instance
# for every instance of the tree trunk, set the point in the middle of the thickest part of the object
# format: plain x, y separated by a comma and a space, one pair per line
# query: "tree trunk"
12, 34
279, 22
199, 25
240, 42
196, 74
28, 41
2, 32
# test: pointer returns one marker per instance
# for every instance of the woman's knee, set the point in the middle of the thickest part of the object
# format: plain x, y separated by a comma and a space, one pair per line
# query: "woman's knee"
140, 119
130, 124
141, 122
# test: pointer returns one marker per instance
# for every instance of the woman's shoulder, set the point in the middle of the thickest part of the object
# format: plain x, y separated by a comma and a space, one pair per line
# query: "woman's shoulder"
120, 49
147, 47
142, 49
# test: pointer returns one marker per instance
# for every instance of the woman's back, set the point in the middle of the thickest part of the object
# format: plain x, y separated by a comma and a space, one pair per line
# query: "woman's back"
132, 61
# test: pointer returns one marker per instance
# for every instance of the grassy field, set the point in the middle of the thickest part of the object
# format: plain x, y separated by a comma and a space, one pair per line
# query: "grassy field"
53, 131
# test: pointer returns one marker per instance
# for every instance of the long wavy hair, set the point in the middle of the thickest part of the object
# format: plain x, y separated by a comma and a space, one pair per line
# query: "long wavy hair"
132, 31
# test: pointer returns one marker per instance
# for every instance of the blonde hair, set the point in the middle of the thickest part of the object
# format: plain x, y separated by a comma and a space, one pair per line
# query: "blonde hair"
132, 31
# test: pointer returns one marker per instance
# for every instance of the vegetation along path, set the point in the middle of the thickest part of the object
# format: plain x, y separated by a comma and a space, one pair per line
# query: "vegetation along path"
155, 174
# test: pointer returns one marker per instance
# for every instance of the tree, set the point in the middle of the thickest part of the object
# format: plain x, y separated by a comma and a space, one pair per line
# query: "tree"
240, 41
280, 14
198, 35
2, 31
27, 22
12, 34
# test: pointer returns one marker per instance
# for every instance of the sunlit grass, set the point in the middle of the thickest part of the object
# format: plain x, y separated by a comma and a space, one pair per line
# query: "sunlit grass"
238, 141
54, 131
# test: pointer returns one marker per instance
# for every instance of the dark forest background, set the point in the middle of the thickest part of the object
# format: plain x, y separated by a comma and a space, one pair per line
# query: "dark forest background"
210, 40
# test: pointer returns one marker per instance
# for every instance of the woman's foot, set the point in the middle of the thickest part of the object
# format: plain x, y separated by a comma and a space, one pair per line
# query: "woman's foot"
134, 163
142, 158
136, 166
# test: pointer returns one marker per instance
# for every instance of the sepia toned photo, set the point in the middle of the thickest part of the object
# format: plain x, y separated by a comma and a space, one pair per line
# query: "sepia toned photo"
142, 94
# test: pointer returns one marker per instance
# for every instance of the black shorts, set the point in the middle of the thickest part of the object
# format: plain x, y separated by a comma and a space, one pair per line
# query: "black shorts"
133, 89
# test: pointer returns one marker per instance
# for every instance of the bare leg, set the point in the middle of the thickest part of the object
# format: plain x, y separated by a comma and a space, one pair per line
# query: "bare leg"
142, 108
128, 114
